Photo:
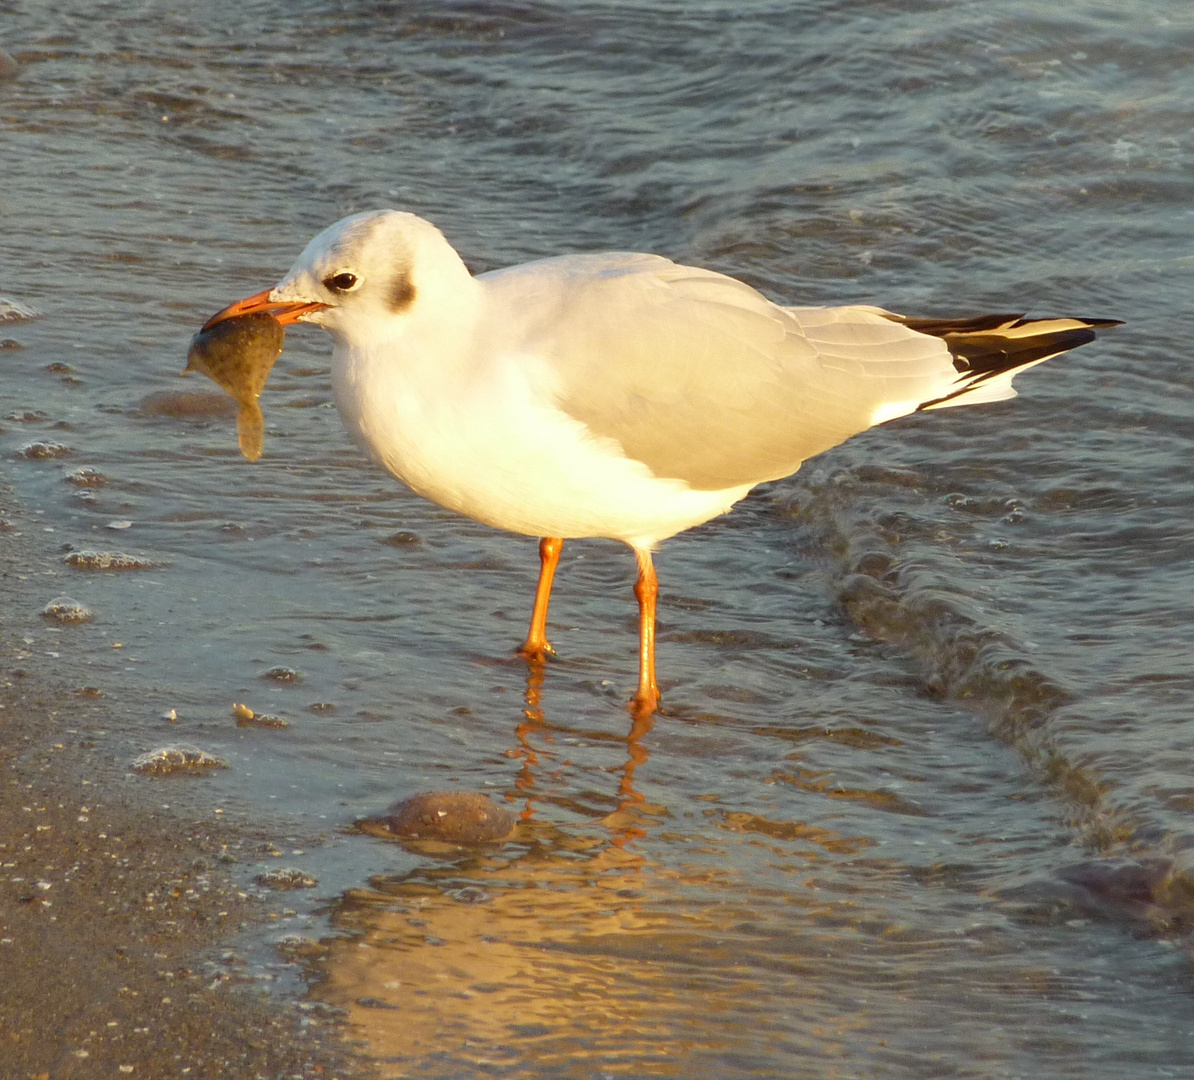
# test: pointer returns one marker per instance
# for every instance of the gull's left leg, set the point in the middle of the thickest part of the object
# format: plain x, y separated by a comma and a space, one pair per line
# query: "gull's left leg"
537, 648
646, 589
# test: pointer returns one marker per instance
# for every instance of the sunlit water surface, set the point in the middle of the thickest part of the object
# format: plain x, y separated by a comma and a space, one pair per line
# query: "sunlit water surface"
919, 801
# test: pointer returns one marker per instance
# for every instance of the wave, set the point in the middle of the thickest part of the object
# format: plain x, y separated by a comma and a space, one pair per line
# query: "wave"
895, 570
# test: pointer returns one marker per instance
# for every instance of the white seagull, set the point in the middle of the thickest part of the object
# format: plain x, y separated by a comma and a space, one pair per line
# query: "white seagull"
613, 395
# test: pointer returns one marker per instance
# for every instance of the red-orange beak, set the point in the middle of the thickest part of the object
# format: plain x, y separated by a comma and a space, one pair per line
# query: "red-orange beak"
285, 311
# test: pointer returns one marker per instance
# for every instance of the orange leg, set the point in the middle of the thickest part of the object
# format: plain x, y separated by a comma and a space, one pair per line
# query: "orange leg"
537, 648
646, 589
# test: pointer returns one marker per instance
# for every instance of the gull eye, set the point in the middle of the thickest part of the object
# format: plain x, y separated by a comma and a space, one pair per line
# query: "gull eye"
344, 281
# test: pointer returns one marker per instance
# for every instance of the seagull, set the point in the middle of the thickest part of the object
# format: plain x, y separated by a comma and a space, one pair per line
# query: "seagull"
614, 395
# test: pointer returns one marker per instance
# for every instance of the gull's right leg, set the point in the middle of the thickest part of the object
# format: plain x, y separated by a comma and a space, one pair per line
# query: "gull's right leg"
537, 648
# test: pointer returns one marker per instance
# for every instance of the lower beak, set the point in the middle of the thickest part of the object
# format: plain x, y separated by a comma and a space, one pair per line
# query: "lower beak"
285, 311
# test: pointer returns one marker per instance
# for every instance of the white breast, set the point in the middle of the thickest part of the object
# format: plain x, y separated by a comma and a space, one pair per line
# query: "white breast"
487, 442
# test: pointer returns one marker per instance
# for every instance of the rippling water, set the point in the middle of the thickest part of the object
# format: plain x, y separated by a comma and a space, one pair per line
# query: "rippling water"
919, 802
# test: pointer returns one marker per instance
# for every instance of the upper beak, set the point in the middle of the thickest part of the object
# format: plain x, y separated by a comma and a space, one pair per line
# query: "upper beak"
285, 311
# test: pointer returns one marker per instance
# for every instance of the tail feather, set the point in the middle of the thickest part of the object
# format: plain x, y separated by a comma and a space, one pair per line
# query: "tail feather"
989, 350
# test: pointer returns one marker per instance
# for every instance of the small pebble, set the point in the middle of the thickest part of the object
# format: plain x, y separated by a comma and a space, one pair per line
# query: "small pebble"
86, 477
66, 610
265, 720
65, 372
106, 560
402, 539
246, 717
286, 877
40, 451
175, 759
10, 343
301, 945
14, 311
282, 674
122, 523
470, 894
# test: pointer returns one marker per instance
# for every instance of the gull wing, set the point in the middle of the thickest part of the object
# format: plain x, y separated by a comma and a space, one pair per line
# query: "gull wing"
705, 380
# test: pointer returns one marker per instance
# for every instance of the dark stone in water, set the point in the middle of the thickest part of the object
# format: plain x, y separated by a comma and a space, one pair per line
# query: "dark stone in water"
282, 674
188, 405
67, 610
246, 717
176, 760
453, 817
107, 560
38, 451
86, 477
14, 311
285, 878
402, 539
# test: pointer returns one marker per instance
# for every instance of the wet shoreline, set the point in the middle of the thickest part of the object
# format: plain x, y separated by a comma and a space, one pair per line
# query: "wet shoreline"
118, 919
918, 801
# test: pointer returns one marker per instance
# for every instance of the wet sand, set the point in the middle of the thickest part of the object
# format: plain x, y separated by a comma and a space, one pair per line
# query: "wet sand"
116, 918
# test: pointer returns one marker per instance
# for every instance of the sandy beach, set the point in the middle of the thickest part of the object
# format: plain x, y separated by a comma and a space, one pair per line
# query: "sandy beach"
116, 917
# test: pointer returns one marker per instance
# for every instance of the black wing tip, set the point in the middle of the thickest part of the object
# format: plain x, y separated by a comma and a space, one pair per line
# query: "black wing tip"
970, 324
986, 345
979, 324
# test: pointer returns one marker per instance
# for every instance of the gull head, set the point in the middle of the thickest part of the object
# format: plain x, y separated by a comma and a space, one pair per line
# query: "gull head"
372, 272
368, 275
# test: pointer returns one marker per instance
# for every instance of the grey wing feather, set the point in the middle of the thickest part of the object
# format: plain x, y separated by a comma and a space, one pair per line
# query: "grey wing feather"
703, 379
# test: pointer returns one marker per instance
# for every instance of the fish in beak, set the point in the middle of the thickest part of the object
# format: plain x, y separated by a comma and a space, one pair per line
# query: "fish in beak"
236, 348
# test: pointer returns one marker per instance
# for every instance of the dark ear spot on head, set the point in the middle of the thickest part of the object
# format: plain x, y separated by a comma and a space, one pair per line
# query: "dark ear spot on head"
402, 293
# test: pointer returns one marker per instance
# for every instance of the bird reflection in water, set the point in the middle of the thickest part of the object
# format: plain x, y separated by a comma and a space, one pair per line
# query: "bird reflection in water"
500, 953
623, 823
571, 950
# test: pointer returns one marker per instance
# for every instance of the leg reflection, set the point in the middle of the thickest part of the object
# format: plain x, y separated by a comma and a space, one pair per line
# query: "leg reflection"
626, 822
533, 726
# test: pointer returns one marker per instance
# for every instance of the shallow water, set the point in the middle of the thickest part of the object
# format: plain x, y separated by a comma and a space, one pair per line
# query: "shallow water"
919, 801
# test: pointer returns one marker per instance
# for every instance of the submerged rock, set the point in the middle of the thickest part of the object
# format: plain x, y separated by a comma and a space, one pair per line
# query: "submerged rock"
86, 478
106, 560
14, 311
283, 675
43, 449
179, 758
67, 610
453, 817
246, 717
286, 877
